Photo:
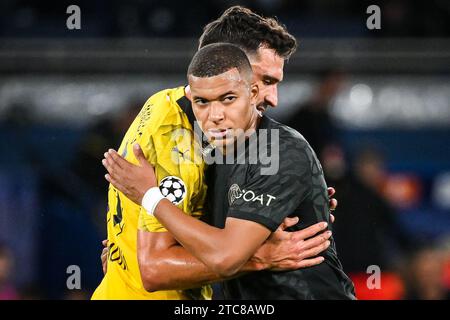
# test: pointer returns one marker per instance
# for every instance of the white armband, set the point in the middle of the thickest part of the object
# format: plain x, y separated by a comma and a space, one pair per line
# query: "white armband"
151, 199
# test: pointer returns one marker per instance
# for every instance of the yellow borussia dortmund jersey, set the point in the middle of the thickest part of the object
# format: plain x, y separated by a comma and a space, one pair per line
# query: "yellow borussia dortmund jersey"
165, 135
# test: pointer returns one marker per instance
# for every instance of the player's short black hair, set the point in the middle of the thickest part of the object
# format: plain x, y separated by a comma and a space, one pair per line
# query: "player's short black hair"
250, 31
217, 58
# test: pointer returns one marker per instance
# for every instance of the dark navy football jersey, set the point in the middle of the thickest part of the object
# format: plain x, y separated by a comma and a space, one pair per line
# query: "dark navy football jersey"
297, 188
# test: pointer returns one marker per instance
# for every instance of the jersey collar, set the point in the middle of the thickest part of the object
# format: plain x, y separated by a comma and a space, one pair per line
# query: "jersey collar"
186, 106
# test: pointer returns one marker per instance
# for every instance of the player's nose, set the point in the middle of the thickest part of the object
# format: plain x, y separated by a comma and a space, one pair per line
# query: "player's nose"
216, 113
271, 97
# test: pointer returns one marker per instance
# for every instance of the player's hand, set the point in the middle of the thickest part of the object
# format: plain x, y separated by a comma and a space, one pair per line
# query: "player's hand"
104, 256
293, 250
132, 180
333, 202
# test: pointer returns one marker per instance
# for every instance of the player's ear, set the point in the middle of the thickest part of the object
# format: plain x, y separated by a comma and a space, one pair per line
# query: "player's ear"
254, 91
187, 92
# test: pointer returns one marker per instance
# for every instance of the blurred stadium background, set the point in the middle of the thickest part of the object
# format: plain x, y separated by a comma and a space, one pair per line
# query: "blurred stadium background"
375, 105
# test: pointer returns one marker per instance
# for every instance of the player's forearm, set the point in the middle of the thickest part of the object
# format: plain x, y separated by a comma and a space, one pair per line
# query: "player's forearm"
176, 269
211, 245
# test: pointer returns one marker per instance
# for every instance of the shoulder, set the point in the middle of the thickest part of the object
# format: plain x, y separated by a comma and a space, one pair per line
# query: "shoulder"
281, 151
291, 144
288, 134
164, 99
162, 107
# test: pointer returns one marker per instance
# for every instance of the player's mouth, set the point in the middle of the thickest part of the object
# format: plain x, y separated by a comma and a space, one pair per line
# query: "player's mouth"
219, 133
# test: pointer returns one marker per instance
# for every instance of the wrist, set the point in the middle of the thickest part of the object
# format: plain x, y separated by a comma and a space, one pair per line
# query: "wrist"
256, 263
253, 265
151, 199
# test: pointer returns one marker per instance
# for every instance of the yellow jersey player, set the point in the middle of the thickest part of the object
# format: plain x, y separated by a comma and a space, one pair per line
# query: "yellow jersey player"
147, 262
165, 133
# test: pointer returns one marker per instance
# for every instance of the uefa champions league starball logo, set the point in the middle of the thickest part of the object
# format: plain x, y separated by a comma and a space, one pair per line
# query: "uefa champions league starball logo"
173, 189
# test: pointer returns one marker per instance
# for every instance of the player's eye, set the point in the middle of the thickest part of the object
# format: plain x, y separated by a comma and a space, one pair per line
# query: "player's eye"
269, 81
229, 99
201, 102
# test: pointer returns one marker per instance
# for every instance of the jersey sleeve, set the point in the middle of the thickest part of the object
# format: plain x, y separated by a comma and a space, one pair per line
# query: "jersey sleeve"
142, 131
149, 223
145, 221
158, 142
268, 199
